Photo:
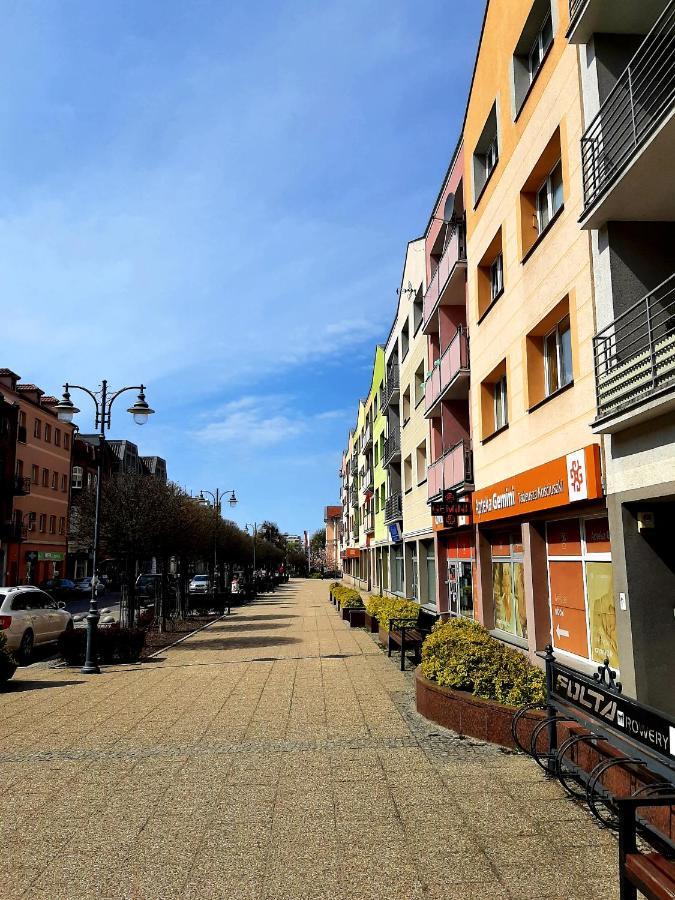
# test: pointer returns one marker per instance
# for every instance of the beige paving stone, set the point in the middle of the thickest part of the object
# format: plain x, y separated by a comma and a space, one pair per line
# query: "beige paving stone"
249, 763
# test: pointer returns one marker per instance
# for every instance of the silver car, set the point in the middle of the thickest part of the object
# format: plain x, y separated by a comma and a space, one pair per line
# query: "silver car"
199, 584
29, 618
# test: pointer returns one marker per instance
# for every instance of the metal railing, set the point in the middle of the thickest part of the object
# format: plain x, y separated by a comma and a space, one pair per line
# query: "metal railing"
451, 470
367, 437
16, 486
575, 6
453, 360
13, 532
635, 354
353, 496
392, 446
367, 480
354, 465
638, 102
391, 385
455, 252
393, 508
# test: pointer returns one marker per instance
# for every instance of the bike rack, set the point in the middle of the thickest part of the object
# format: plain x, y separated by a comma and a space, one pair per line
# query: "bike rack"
592, 791
528, 707
552, 753
565, 775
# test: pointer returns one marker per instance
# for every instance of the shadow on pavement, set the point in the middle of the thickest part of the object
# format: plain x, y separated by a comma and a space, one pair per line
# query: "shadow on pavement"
234, 643
254, 625
16, 687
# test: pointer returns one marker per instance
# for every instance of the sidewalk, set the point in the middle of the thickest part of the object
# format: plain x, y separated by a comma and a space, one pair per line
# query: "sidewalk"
274, 755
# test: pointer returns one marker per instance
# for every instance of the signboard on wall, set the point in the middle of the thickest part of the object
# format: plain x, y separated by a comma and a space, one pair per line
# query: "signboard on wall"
565, 480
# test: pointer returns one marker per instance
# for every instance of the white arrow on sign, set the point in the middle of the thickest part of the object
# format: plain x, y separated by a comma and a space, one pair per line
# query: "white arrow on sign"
561, 632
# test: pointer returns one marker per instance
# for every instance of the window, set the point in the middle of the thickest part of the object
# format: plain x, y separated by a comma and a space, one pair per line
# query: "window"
405, 339
52, 524
422, 463
397, 570
48, 432
558, 356
76, 477
55, 481
501, 403
542, 42
62, 524
431, 573
37, 428
419, 384
43, 522
57, 437
497, 278
508, 584
21, 430
45, 478
414, 574
418, 310
35, 474
19, 468
405, 405
64, 483
549, 197
66, 442
31, 521
407, 474
486, 154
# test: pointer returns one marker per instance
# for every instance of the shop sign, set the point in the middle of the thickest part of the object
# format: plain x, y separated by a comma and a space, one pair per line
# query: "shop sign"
565, 480
50, 556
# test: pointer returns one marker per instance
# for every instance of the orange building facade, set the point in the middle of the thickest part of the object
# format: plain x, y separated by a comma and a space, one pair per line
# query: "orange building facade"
40, 511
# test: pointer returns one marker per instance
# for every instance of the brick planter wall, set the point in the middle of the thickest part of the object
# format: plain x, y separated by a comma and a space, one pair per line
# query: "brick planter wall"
370, 623
466, 714
382, 636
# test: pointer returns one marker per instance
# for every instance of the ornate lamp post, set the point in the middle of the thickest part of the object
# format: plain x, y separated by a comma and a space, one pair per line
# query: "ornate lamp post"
217, 503
66, 410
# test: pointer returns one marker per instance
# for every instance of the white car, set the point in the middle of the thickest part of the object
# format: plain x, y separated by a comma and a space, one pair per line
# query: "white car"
199, 584
29, 618
84, 586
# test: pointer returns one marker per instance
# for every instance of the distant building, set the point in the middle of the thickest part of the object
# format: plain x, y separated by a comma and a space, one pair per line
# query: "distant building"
155, 466
293, 540
332, 518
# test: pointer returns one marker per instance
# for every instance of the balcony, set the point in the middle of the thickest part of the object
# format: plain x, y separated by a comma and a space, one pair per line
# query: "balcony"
449, 378
452, 471
354, 495
16, 486
392, 448
448, 285
369, 522
355, 529
635, 362
393, 508
390, 393
367, 483
367, 438
354, 465
12, 532
626, 151
589, 17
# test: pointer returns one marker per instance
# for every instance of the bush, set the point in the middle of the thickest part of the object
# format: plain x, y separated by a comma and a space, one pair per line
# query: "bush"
7, 661
113, 645
461, 654
387, 608
315, 575
347, 597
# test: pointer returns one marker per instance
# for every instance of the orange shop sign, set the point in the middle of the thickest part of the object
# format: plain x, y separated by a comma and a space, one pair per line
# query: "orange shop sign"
567, 479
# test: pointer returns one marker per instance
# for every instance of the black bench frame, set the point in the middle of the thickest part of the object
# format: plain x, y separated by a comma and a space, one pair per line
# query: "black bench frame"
628, 832
408, 634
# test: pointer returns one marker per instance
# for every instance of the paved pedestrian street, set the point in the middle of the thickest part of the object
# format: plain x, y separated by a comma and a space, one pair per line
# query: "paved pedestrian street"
275, 754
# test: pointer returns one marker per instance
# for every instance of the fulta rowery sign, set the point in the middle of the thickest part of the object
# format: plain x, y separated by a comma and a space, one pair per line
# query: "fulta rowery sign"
564, 480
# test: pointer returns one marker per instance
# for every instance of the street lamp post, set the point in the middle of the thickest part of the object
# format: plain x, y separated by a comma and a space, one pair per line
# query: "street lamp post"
254, 526
217, 502
66, 410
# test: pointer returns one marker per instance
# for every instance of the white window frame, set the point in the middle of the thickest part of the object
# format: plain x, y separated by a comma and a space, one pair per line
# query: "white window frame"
491, 157
557, 332
77, 477
547, 186
500, 398
538, 49
497, 277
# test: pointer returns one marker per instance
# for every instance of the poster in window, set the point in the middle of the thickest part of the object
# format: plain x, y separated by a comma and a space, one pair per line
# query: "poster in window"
519, 599
601, 612
465, 590
502, 596
568, 607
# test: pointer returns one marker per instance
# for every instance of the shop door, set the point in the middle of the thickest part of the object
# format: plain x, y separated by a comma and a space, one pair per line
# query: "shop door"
452, 585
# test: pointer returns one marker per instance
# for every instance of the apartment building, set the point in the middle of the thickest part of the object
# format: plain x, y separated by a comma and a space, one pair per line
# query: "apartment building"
38, 548
332, 516
446, 395
543, 554
10, 484
627, 63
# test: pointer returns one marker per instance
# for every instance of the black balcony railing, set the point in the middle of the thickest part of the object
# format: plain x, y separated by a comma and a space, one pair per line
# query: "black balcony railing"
354, 495
392, 446
354, 465
639, 101
16, 486
393, 508
635, 355
575, 6
391, 386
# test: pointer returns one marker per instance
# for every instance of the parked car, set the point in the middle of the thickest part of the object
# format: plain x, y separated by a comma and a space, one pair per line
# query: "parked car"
148, 586
29, 617
199, 584
83, 586
59, 587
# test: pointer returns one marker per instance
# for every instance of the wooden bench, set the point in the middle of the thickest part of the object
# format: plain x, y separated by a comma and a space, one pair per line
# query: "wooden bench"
652, 873
408, 635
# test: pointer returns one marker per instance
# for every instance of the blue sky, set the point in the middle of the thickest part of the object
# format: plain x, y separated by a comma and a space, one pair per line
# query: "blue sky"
214, 198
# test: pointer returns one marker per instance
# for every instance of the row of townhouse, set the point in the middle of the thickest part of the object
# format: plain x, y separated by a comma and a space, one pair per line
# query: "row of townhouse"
514, 460
44, 465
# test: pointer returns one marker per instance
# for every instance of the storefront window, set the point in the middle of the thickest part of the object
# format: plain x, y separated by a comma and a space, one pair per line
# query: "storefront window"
397, 569
508, 584
583, 616
414, 574
466, 589
431, 575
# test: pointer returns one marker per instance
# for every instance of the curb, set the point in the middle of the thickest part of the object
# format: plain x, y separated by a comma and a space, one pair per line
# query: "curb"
183, 638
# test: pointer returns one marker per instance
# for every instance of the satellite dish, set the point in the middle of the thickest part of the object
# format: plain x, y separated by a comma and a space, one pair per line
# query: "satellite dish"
449, 208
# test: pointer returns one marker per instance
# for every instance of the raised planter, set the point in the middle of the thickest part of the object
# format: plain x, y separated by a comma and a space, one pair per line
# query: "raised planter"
382, 636
357, 617
370, 623
345, 614
462, 712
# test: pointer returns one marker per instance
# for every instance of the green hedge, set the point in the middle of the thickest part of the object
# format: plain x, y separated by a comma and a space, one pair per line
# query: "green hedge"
347, 597
384, 609
461, 654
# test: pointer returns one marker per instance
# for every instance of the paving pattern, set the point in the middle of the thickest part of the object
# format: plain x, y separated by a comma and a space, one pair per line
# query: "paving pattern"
276, 755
